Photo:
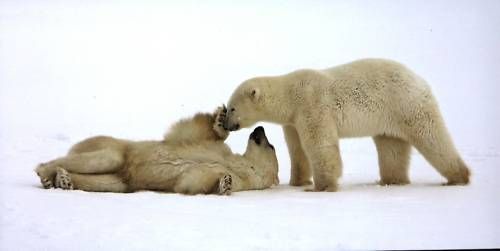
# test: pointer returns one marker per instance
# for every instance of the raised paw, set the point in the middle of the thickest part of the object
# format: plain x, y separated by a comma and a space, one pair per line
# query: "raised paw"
220, 118
225, 185
63, 179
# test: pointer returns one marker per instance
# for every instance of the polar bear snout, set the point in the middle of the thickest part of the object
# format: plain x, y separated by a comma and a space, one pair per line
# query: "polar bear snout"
233, 120
258, 135
230, 125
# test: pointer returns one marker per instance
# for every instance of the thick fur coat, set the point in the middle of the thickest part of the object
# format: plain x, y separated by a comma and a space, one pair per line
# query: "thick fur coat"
372, 97
192, 159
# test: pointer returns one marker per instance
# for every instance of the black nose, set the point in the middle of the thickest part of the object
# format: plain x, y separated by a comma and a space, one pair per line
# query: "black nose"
258, 135
259, 129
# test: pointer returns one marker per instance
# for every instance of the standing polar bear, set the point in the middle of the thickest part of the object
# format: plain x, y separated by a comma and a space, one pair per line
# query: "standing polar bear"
192, 159
371, 97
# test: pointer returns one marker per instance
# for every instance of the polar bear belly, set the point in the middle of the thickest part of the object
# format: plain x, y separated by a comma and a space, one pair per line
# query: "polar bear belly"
359, 124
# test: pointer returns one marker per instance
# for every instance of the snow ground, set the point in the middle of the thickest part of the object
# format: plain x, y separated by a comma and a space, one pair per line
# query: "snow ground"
70, 70
362, 215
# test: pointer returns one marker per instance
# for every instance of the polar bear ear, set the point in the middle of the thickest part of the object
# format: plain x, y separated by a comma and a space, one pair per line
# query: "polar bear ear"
254, 94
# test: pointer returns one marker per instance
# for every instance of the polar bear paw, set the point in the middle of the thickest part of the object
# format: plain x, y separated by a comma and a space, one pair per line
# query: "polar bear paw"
46, 173
63, 179
46, 183
220, 118
225, 185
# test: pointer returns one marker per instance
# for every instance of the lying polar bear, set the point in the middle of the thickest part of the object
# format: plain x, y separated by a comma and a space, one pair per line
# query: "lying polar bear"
372, 97
192, 159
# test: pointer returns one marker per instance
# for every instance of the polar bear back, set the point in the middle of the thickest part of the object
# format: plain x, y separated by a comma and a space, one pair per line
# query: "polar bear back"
369, 97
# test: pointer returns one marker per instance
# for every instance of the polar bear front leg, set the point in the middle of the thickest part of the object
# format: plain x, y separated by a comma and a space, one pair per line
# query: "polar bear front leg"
301, 172
219, 120
320, 142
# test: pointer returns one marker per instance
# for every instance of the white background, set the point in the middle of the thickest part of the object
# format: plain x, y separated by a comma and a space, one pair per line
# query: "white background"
73, 69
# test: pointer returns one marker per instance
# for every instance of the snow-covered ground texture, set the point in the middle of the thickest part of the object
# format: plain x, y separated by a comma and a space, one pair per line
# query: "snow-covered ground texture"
73, 69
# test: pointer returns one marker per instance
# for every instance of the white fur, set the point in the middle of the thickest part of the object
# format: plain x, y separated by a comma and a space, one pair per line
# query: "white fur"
371, 97
191, 159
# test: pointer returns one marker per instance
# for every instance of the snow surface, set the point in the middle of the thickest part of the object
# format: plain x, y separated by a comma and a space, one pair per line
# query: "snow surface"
71, 69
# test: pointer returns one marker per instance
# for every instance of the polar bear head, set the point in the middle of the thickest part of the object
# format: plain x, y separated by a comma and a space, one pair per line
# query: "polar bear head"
247, 105
262, 154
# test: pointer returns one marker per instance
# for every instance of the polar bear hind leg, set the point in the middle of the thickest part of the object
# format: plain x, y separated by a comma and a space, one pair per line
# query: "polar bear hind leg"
90, 182
432, 140
393, 159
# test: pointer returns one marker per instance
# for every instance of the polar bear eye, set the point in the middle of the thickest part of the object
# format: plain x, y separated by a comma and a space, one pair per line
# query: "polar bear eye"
232, 109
